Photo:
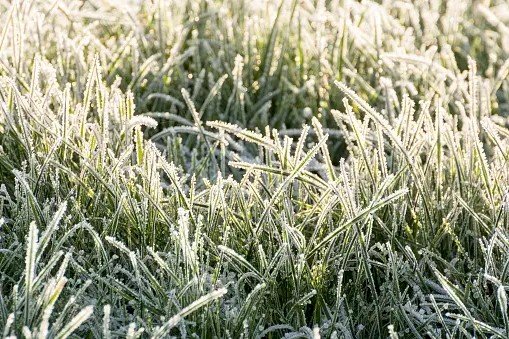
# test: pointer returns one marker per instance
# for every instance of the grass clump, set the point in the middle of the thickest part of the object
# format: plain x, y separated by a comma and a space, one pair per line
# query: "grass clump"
254, 169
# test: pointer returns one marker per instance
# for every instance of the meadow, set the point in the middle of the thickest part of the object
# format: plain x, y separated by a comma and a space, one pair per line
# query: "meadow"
254, 169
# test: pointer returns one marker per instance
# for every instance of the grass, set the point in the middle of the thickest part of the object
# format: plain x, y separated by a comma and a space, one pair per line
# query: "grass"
254, 169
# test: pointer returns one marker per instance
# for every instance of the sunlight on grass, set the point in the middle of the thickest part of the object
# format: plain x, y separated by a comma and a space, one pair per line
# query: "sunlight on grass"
254, 169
